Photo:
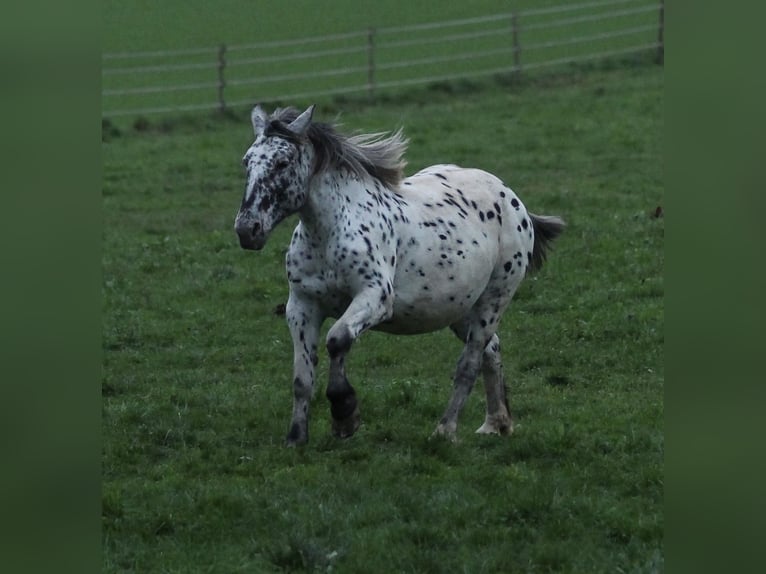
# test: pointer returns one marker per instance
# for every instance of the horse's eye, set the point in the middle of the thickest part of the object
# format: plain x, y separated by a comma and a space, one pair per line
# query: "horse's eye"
281, 164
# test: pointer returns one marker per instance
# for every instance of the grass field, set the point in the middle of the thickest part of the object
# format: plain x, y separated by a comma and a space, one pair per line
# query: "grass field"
197, 364
161, 56
176, 24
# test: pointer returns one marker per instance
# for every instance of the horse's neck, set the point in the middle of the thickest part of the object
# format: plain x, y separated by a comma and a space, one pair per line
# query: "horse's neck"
329, 197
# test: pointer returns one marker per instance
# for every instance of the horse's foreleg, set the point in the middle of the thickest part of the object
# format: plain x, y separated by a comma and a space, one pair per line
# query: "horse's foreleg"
365, 311
342, 396
304, 321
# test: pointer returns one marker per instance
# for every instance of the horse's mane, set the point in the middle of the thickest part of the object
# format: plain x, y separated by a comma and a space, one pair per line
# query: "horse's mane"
379, 155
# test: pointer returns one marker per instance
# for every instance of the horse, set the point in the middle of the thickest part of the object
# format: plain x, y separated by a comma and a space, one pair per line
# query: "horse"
445, 247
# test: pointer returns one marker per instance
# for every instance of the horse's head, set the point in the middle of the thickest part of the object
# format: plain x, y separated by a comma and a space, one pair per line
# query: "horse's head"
278, 164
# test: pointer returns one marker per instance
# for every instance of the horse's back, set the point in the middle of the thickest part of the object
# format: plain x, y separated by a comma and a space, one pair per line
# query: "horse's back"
474, 201
471, 181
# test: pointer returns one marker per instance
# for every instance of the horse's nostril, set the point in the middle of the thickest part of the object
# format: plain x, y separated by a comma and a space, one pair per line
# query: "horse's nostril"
256, 228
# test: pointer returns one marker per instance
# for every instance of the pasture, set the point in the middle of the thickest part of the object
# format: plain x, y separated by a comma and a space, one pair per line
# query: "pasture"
200, 56
197, 359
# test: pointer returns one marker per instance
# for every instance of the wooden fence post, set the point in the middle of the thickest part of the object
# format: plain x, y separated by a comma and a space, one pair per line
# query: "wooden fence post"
221, 79
661, 35
371, 63
516, 43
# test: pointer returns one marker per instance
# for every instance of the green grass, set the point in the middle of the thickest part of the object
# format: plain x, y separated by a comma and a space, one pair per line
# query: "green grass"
338, 64
176, 24
197, 364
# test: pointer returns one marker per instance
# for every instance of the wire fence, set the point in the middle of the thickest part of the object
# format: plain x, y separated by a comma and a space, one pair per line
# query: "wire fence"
377, 59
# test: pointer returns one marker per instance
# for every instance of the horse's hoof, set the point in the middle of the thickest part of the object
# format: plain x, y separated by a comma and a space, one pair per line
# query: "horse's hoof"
446, 432
345, 428
297, 436
294, 444
499, 426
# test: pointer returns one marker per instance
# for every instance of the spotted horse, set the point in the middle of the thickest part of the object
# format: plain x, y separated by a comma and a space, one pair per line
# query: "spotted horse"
445, 247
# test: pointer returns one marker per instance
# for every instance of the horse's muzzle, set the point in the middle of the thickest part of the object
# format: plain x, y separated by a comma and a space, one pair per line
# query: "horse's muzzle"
251, 236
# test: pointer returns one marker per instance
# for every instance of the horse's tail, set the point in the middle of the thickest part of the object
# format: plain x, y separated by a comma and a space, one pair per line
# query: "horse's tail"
547, 228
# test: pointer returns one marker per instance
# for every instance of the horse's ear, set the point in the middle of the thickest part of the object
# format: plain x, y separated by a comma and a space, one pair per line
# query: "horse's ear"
300, 125
259, 119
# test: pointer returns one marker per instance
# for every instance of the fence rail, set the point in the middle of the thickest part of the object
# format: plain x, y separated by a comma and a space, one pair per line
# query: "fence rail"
229, 76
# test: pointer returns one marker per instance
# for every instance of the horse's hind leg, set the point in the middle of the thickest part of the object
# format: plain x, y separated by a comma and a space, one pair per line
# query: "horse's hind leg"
498, 419
465, 376
481, 352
